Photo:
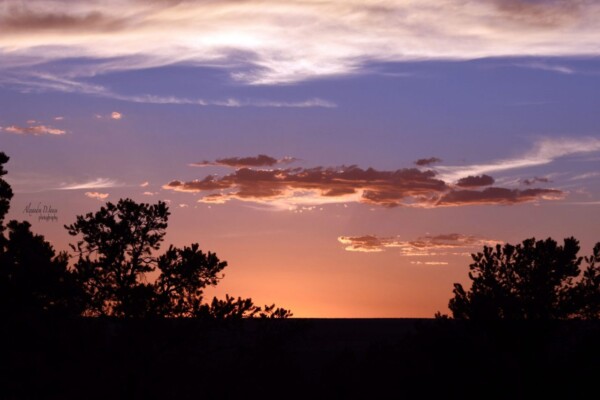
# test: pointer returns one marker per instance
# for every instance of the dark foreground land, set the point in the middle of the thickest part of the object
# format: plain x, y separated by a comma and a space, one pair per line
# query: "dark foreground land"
297, 358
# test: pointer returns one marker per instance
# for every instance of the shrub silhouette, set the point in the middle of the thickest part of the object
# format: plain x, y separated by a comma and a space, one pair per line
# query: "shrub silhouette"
240, 308
533, 280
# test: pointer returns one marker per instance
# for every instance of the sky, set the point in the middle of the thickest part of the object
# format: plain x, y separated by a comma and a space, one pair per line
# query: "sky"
344, 157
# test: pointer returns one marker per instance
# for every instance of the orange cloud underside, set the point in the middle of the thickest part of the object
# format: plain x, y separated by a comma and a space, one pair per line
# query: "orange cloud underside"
319, 185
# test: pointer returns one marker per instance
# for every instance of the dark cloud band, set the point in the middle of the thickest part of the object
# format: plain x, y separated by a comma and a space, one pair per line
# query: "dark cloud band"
319, 185
261, 160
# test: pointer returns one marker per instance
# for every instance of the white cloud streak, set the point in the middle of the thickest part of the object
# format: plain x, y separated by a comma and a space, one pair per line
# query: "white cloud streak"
98, 183
561, 69
42, 82
544, 152
587, 175
271, 41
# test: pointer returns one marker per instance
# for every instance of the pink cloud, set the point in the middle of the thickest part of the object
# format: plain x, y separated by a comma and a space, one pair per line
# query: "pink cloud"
319, 185
35, 130
96, 195
430, 245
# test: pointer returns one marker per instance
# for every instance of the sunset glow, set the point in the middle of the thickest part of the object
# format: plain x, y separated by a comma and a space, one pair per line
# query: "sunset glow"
344, 157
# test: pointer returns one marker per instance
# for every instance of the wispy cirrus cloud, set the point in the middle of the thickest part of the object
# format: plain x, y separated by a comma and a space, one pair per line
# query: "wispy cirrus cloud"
43, 82
34, 182
229, 102
98, 183
561, 69
253, 39
544, 152
586, 175
424, 246
33, 130
534, 180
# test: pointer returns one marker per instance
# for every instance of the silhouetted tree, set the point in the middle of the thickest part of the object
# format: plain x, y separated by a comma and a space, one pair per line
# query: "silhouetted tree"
5, 195
532, 280
115, 255
33, 278
184, 274
588, 290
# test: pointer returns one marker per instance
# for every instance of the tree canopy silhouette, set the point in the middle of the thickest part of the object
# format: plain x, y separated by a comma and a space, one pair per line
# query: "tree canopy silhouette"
33, 278
116, 254
532, 280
